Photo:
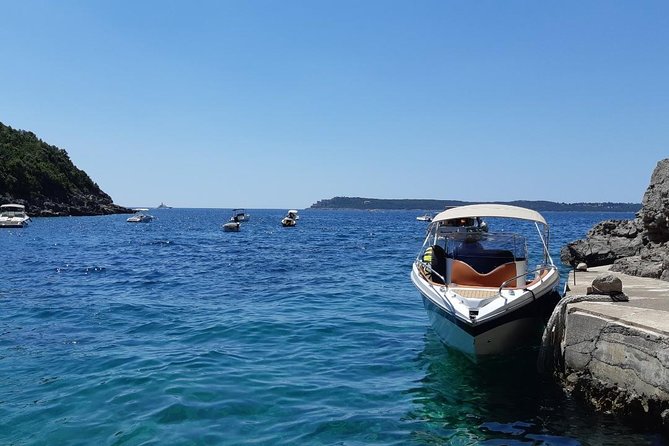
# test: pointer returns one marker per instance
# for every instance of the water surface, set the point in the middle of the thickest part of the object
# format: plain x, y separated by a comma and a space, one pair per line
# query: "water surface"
175, 332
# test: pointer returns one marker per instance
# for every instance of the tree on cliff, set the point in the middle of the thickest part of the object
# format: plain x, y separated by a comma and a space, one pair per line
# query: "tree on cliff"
44, 178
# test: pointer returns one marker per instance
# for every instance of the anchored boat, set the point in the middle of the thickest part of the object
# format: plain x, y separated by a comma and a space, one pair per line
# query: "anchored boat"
140, 216
13, 216
480, 293
290, 219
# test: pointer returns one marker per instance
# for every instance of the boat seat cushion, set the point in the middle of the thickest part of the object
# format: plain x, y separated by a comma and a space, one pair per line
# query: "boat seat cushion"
484, 260
464, 274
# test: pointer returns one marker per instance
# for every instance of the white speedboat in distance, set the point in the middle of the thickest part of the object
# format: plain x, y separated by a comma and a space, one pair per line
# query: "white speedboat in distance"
290, 219
480, 295
233, 225
241, 215
13, 216
140, 216
425, 217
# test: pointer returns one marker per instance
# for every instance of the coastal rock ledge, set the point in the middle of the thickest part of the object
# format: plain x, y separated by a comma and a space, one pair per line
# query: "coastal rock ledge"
638, 247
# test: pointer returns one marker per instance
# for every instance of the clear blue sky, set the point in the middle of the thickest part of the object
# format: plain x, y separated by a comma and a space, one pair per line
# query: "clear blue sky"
277, 104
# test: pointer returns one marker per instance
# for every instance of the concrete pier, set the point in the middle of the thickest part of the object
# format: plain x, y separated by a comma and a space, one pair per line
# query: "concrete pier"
616, 354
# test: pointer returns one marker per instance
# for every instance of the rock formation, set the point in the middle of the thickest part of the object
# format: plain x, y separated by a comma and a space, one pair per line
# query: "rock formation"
43, 179
638, 247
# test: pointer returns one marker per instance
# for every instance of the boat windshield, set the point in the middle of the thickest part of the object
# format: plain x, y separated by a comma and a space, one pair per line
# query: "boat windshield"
460, 245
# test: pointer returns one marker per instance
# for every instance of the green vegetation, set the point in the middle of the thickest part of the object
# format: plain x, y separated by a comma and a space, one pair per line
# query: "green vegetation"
32, 169
43, 177
436, 205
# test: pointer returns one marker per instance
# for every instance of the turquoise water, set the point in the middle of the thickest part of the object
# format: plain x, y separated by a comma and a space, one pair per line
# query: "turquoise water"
175, 332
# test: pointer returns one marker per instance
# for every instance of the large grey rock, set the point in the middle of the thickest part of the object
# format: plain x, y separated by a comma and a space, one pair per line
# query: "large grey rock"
605, 243
654, 213
608, 284
638, 247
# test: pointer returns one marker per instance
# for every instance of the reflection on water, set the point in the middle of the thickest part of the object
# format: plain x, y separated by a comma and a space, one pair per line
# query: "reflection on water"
503, 401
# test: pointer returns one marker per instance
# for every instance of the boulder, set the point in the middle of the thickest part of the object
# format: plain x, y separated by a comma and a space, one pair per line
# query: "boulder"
605, 243
607, 284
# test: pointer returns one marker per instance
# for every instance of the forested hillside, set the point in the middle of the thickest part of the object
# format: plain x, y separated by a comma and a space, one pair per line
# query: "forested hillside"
44, 179
428, 204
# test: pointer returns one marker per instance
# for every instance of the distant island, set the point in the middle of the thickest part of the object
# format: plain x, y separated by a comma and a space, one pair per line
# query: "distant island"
438, 205
43, 179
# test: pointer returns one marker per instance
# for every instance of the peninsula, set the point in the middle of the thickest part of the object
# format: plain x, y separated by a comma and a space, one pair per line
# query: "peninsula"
438, 205
43, 178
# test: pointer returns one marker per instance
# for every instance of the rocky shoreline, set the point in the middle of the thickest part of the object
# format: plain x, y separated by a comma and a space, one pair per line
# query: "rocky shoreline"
87, 205
614, 356
638, 247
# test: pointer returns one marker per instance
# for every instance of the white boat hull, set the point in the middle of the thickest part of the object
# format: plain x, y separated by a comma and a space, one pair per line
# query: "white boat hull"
510, 328
14, 223
231, 227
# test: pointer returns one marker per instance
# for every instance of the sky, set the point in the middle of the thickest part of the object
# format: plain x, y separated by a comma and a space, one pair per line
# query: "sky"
279, 104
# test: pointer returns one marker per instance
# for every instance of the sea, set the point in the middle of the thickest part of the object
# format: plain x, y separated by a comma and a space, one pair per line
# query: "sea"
175, 332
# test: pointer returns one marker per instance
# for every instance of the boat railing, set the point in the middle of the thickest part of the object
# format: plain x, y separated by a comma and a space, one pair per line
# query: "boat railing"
540, 276
428, 267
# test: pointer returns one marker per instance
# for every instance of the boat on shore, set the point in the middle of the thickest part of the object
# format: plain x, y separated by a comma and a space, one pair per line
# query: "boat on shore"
480, 296
13, 216
290, 219
140, 216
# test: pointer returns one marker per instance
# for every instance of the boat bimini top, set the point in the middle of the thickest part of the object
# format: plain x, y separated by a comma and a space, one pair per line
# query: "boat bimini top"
489, 210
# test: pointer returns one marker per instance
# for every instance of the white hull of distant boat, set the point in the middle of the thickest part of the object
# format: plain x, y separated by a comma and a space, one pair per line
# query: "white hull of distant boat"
425, 217
290, 219
140, 216
231, 226
13, 216
480, 296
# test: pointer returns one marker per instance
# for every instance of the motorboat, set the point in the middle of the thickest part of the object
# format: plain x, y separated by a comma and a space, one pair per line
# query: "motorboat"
425, 217
480, 295
290, 219
164, 206
140, 216
13, 216
241, 215
234, 224
231, 226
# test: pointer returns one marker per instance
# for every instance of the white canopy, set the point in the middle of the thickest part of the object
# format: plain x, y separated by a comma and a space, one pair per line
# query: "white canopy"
12, 206
489, 210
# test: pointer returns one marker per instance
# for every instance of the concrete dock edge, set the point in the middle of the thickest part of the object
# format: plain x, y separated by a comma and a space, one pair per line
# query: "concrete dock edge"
615, 355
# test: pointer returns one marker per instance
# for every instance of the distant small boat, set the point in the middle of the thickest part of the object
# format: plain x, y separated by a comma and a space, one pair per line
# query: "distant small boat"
13, 216
290, 219
241, 215
426, 217
140, 216
164, 206
233, 225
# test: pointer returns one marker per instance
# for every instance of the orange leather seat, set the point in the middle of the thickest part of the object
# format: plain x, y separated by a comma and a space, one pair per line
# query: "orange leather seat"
463, 274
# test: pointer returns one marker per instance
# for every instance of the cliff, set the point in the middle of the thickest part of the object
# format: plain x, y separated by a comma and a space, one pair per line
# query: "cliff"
43, 178
638, 247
